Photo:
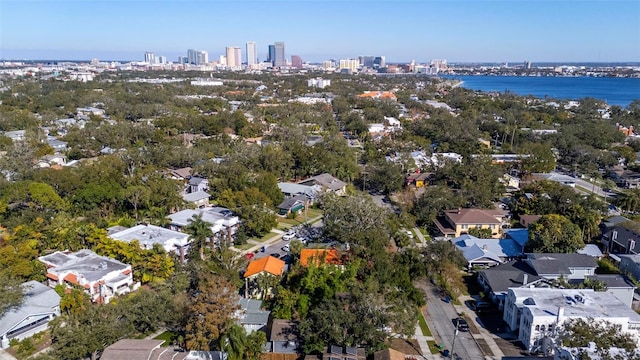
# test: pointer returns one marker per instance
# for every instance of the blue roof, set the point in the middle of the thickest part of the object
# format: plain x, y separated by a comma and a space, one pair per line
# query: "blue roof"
474, 248
521, 236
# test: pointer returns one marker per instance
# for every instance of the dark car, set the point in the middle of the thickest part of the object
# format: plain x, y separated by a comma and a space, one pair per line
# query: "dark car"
276, 255
462, 324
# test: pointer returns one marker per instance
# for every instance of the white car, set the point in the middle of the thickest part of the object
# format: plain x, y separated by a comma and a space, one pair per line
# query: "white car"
285, 248
288, 236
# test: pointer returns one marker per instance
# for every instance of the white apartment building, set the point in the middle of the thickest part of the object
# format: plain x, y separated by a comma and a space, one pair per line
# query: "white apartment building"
149, 235
536, 313
319, 83
252, 54
102, 277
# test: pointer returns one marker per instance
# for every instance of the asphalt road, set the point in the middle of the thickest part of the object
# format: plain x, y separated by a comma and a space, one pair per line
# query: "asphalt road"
439, 315
276, 247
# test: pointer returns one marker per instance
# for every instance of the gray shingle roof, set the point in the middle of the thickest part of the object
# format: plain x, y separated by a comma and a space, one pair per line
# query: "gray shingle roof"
511, 274
39, 301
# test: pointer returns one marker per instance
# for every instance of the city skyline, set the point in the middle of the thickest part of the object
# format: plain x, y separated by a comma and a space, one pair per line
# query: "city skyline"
460, 31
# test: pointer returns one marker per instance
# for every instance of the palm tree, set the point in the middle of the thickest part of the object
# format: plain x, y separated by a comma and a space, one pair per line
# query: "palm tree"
630, 200
200, 232
234, 342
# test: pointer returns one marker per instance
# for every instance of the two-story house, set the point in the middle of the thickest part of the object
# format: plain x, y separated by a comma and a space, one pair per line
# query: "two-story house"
454, 223
100, 276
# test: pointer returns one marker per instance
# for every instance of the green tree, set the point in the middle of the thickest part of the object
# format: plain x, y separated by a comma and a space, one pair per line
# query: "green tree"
481, 233
554, 234
580, 332
11, 293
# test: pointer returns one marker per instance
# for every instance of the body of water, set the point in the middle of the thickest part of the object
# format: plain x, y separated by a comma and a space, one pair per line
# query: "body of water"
615, 91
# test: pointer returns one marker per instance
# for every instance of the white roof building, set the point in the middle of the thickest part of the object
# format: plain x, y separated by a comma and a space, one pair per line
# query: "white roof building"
102, 277
222, 220
149, 235
536, 313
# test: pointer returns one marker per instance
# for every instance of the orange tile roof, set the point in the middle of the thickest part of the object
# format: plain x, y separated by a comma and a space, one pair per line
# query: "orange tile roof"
52, 276
327, 256
269, 264
71, 278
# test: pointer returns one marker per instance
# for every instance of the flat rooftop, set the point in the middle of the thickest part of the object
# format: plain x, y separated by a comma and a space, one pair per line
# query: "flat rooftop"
584, 303
84, 262
148, 235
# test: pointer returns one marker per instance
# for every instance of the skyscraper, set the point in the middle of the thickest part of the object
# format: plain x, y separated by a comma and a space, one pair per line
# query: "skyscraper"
252, 53
234, 56
272, 54
279, 59
149, 57
197, 57
379, 62
296, 62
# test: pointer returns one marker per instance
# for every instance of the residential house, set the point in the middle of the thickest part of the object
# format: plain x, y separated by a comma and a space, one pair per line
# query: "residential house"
630, 265
57, 145
618, 285
182, 174
487, 252
144, 349
591, 351
293, 205
198, 184
559, 178
85, 112
625, 178
199, 198
621, 240
535, 314
319, 257
328, 183
17, 135
389, 354
454, 223
334, 352
283, 339
419, 179
100, 276
149, 235
527, 220
612, 222
591, 250
511, 182
40, 305
267, 265
251, 316
537, 270
292, 189
223, 223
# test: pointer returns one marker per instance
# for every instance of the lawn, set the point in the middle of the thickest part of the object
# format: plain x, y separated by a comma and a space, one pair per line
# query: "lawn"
433, 347
265, 237
167, 336
311, 213
423, 325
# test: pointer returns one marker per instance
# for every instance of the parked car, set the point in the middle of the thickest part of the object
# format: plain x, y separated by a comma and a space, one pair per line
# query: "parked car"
288, 236
276, 255
462, 324
285, 248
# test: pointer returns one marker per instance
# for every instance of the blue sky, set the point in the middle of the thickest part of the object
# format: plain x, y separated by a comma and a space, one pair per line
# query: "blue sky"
456, 30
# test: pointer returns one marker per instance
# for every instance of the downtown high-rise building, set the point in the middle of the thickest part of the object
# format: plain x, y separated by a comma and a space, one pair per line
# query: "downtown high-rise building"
296, 62
271, 54
197, 57
149, 57
234, 56
252, 53
279, 59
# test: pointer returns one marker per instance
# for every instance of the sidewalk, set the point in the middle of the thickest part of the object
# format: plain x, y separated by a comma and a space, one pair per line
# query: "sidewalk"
483, 333
424, 347
5, 355
420, 236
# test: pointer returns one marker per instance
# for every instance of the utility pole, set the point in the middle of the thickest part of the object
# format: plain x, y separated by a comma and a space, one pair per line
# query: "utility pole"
453, 345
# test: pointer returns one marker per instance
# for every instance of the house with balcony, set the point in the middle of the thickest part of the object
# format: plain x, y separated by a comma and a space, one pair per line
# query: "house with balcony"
224, 224
101, 277
40, 305
453, 223
621, 240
